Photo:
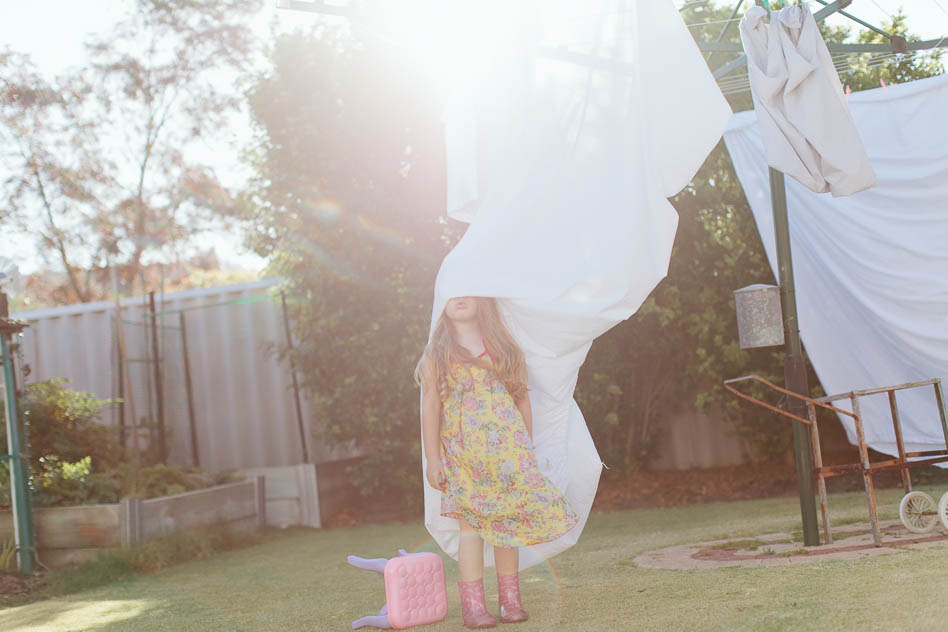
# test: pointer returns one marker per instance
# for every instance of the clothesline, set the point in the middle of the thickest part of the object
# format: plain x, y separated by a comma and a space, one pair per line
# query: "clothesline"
809, 2
841, 65
840, 61
742, 83
616, 13
709, 23
938, 4
883, 10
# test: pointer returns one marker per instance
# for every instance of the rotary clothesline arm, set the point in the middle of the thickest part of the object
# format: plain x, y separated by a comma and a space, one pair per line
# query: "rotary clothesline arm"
858, 21
732, 47
819, 16
897, 42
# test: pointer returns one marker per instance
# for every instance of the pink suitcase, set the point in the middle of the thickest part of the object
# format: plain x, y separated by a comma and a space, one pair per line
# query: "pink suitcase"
414, 590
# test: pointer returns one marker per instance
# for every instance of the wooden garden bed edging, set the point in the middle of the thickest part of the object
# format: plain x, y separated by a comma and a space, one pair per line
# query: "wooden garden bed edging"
292, 495
79, 533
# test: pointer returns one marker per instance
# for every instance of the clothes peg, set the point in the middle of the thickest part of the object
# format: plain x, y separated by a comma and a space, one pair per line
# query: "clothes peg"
884, 87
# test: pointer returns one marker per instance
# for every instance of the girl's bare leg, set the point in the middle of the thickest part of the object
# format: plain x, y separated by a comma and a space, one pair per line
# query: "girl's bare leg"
470, 553
507, 560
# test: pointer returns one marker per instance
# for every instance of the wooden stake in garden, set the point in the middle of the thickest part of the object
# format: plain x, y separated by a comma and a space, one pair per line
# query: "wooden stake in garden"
123, 360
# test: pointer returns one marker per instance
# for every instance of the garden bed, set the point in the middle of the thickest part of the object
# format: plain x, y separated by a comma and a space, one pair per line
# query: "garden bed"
277, 496
82, 532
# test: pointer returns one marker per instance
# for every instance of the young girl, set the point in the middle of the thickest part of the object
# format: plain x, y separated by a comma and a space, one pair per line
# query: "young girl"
477, 431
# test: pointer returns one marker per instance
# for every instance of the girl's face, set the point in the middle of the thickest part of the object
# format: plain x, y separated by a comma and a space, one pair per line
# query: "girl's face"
461, 308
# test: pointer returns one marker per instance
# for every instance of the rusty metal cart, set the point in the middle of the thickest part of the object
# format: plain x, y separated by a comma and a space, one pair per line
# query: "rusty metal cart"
917, 509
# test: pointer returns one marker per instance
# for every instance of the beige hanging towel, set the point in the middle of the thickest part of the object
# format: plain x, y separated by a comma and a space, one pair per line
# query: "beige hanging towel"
804, 118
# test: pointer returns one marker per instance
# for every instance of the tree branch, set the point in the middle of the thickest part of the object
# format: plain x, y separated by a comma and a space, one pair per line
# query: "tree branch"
57, 235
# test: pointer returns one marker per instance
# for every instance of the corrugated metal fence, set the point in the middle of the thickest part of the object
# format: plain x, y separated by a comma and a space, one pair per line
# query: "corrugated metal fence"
244, 412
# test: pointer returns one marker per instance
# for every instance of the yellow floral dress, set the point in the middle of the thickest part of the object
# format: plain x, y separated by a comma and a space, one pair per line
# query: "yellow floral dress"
492, 477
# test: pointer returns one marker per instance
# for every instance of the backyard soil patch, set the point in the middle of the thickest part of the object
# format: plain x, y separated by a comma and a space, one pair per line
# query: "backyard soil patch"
17, 588
620, 489
13, 583
778, 549
674, 488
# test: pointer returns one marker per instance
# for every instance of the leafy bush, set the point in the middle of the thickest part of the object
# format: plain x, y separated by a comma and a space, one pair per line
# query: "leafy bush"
75, 484
61, 427
344, 208
76, 460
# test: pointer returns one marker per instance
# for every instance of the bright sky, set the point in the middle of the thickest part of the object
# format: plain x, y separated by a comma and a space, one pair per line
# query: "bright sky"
57, 44
52, 32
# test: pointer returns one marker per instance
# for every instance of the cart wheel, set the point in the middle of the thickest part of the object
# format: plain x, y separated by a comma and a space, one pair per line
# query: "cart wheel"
943, 510
917, 512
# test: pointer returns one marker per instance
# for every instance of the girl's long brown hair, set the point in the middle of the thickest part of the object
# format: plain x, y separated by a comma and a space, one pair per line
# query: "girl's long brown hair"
444, 351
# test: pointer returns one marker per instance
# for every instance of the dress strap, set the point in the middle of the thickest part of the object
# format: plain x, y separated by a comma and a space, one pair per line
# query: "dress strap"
486, 352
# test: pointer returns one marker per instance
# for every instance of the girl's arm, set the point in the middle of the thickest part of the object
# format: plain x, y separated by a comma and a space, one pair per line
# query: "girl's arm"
527, 413
431, 425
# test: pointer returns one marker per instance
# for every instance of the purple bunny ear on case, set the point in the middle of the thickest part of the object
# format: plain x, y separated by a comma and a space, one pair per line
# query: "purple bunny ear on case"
379, 620
376, 621
376, 564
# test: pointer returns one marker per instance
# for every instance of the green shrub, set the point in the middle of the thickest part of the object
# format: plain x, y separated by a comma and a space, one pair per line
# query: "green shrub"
61, 427
75, 460
75, 484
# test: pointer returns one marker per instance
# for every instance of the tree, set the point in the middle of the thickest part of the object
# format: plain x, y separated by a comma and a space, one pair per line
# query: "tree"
346, 206
101, 159
51, 160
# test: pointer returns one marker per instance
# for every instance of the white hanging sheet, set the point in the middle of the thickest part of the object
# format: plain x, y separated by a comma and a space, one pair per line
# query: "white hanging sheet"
563, 168
806, 126
871, 269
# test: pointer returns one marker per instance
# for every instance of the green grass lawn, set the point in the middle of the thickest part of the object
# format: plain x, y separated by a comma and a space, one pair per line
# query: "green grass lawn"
299, 580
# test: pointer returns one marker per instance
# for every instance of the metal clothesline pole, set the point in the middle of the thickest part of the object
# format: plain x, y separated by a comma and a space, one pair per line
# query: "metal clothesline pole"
17, 455
794, 368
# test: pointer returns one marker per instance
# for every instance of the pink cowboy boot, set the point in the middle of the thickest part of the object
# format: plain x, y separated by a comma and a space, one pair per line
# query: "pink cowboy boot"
508, 589
473, 606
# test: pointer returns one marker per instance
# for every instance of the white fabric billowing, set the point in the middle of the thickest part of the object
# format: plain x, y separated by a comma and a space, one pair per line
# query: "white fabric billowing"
805, 122
564, 169
871, 270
